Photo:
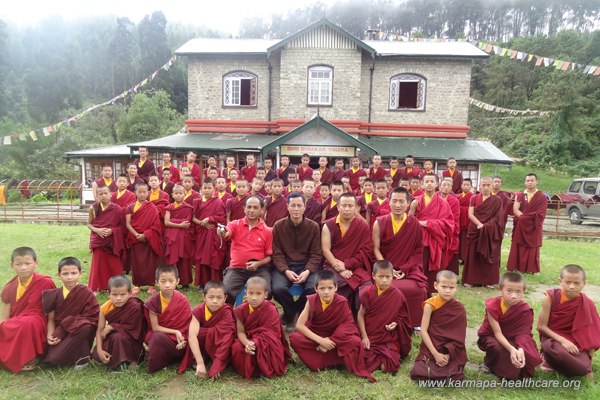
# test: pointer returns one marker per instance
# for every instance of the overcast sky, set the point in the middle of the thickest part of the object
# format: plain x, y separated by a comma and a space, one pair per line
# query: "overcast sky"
223, 15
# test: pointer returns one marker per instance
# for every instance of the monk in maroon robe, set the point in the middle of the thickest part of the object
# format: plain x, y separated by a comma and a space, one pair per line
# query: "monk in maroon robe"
376, 209
404, 249
276, 204
376, 171
178, 236
174, 176
223, 196
249, 170
409, 170
144, 239
23, 334
569, 326
386, 347
161, 200
123, 198
515, 324
313, 209
447, 331
194, 168
529, 210
165, 349
107, 242
464, 201
235, 207
215, 337
330, 321
355, 172
453, 239
304, 171
133, 179
209, 247
125, 340
347, 248
75, 320
145, 166
484, 238
437, 223
262, 327
456, 175
106, 179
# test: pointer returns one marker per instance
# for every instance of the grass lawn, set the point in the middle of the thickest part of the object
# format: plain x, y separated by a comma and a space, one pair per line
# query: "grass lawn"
514, 178
53, 242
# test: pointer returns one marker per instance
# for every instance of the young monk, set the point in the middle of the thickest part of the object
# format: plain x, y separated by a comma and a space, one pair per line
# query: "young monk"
235, 207
221, 190
178, 236
427, 168
249, 170
505, 334
193, 167
168, 313
212, 333
393, 171
366, 197
326, 335
122, 197
121, 326
313, 206
339, 172
415, 186
167, 164
285, 170
409, 170
158, 197
22, 322
569, 326
145, 166
376, 171
209, 248
105, 180
330, 206
464, 201
72, 312
355, 172
397, 237
133, 178
380, 205
326, 173
107, 243
166, 184
529, 210
229, 167
304, 171
384, 321
188, 185
261, 348
144, 239
453, 239
232, 182
455, 174
276, 207
442, 354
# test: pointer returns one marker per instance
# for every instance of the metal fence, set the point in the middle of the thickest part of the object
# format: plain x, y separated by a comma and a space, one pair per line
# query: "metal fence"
41, 200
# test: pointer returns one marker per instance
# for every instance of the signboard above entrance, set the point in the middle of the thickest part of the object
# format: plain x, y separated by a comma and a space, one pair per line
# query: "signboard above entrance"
329, 151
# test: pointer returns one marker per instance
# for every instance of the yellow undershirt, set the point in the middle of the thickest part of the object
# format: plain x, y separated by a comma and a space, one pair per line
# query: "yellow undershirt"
164, 303
503, 306
177, 205
354, 170
393, 171
107, 307
427, 199
141, 163
324, 305
333, 203
379, 291
368, 197
221, 194
107, 182
232, 186
250, 308
137, 206
102, 207
187, 194
397, 225
338, 220
436, 302
65, 292
207, 313
451, 172
380, 201
121, 193
21, 288
154, 194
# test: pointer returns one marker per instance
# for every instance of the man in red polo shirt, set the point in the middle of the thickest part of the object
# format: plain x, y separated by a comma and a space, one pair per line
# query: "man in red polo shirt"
251, 248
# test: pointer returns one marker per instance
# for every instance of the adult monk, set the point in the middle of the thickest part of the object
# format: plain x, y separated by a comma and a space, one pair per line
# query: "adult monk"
209, 248
456, 175
453, 243
529, 211
105, 221
464, 201
106, 179
347, 248
506, 198
276, 205
194, 168
484, 238
145, 166
355, 172
166, 157
409, 170
397, 237
437, 222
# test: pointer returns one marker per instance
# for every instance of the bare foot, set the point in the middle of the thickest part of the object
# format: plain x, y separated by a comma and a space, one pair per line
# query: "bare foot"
31, 364
466, 285
590, 376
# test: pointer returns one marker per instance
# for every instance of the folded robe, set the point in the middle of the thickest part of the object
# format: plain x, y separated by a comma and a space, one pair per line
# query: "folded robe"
76, 320
23, 334
447, 330
576, 320
354, 248
125, 343
386, 347
263, 327
516, 325
106, 251
216, 337
336, 323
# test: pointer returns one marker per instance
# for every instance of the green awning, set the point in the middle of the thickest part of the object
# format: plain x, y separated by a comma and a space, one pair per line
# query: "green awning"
438, 149
207, 141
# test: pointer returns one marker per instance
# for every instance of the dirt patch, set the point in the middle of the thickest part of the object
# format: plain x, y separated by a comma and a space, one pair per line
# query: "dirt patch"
173, 388
536, 292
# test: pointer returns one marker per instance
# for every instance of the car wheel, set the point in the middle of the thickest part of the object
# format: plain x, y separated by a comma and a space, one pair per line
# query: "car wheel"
575, 216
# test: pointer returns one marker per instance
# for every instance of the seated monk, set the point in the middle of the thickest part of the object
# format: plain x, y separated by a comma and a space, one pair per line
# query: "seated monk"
326, 335
261, 348
569, 326
397, 238
383, 321
442, 354
505, 334
347, 249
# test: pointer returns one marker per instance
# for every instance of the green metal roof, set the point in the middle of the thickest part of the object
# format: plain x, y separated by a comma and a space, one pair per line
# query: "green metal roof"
108, 151
439, 149
208, 141
318, 121
323, 22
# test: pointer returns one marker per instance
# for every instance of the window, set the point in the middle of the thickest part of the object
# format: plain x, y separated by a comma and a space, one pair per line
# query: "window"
320, 82
239, 89
407, 92
575, 186
590, 188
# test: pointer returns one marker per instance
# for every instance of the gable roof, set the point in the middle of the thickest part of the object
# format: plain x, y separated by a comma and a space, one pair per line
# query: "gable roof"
318, 121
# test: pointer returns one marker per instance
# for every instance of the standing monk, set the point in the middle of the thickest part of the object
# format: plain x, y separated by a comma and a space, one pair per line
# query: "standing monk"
484, 238
376, 171
456, 175
347, 248
464, 200
168, 165
355, 172
529, 210
326, 173
506, 198
436, 220
145, 165
105, 180
194, 168
397, 237
304, 170
409, 170
132, 177
453, 240
249, 170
